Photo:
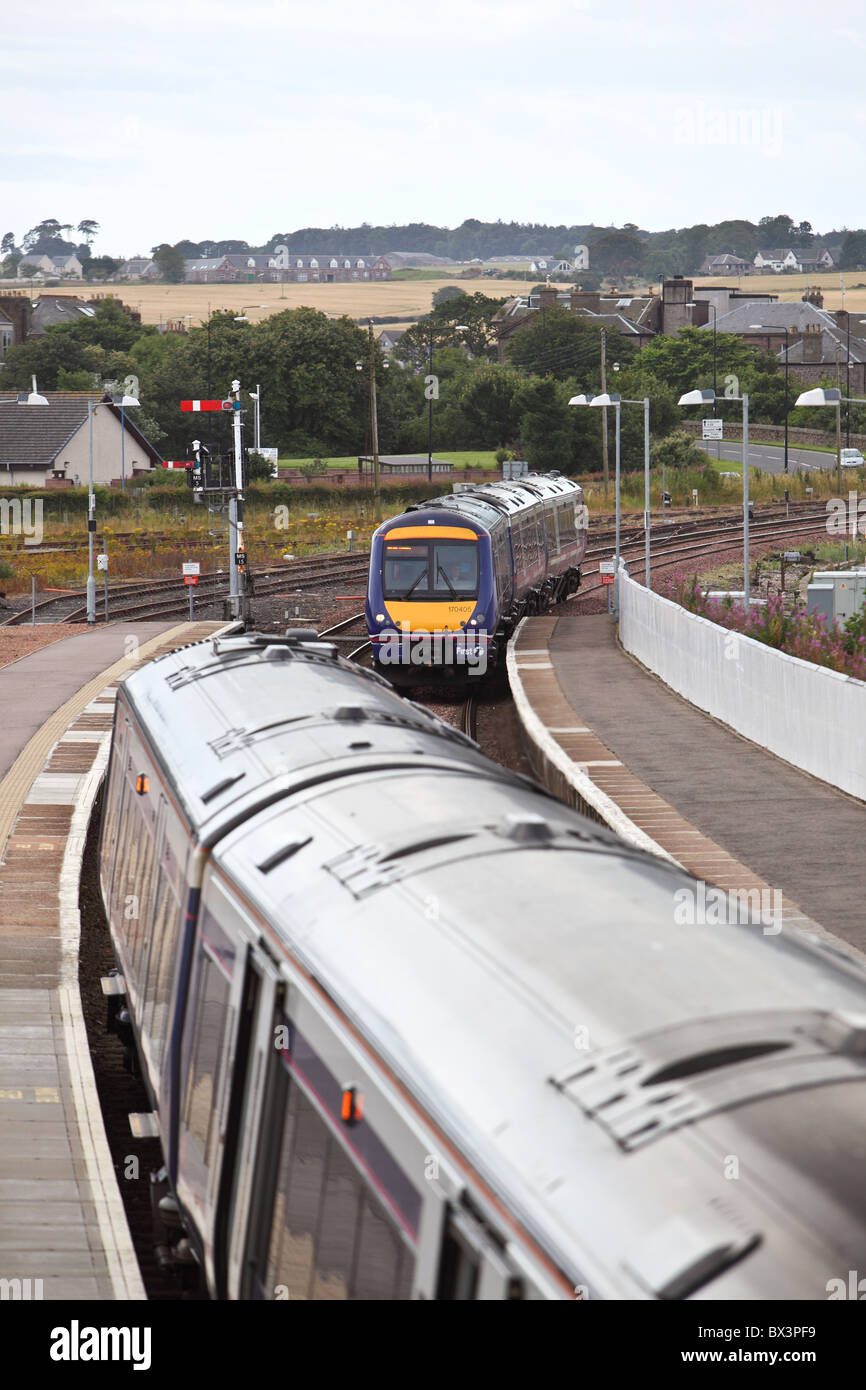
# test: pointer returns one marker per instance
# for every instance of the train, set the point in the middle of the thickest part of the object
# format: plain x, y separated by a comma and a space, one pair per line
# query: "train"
450, 578
411, 1028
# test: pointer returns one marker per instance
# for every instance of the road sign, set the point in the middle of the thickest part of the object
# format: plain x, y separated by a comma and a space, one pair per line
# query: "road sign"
204, 405
712, 429
666, 499
607, 579
191, 567
792, 555
606, 566
102, 561
241, 559
190, 579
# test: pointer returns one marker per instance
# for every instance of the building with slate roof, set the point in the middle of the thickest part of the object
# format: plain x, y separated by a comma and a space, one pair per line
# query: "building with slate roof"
49, 445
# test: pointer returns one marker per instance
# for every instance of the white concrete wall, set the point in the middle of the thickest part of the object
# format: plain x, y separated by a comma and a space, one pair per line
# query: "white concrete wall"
811, 716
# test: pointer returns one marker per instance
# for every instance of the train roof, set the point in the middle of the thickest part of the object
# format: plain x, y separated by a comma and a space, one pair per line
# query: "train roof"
238, 721
586, 1051
488, 502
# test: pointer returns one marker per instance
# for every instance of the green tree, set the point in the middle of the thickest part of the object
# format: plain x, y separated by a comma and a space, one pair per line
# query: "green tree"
447, 292
101, 267
7, 245
88, 229
545, 426
853, 253
676, 451
169, 263
617, 253
565, 344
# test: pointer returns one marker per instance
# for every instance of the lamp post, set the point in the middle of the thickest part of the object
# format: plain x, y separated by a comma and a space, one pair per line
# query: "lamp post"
704, 398
123, 402
693, 304
91, 520
780, 328
821, 395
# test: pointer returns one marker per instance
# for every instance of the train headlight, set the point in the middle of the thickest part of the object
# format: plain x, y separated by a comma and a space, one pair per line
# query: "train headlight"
473, 622
479, 618
380, 617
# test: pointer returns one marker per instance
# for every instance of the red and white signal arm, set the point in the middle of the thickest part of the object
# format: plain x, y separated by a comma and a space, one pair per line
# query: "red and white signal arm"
203, 405
176, 463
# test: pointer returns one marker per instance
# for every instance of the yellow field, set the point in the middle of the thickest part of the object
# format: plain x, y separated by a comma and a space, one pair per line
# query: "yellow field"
793, 286
386, 299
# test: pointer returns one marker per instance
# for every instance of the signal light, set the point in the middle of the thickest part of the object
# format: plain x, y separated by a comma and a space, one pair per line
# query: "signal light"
142, 784
352, 1106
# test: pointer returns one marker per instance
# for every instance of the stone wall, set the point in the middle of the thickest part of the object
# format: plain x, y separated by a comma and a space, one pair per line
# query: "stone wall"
775, 434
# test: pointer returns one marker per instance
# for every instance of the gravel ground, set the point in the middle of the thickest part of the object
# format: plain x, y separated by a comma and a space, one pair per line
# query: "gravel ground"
16, 642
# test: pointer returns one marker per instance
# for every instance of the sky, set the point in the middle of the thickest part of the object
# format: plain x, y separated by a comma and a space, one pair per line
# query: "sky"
204, 119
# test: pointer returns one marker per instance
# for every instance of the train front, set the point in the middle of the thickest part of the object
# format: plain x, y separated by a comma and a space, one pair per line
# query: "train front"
431, 599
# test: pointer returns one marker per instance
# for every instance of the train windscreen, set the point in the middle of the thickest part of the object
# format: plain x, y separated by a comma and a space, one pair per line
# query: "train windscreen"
430, 569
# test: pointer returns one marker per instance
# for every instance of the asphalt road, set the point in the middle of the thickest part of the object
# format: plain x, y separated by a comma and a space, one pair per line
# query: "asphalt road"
771, 458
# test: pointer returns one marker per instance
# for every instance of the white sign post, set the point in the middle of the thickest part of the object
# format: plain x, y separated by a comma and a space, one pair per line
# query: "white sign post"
191, 571
712, 429
102, 564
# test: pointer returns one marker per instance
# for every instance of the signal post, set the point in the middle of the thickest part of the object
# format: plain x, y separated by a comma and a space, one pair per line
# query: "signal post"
207, 476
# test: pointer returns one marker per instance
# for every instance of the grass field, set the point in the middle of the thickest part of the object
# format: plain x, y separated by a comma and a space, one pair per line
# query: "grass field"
385, 299
466, 459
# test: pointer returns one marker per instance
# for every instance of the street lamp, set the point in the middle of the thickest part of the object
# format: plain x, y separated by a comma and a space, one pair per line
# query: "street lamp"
123, 402
707, 397
617, 402
693, 304
780, 328
820, 395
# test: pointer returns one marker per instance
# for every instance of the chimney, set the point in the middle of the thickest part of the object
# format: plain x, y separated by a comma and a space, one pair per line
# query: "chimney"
813, 342
586, 299
547, 295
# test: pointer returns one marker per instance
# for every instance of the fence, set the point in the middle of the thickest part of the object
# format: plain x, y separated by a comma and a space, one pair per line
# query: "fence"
811, 716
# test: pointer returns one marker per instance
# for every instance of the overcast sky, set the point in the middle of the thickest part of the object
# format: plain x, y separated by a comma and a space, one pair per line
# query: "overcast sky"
200, 118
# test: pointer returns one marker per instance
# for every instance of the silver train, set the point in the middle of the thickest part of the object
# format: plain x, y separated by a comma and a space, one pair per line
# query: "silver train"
414, 1029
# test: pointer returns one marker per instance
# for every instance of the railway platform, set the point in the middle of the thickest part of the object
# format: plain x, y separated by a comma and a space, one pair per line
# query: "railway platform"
63, 1230
615, 741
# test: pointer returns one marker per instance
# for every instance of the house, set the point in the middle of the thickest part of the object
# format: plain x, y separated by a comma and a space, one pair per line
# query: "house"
817, 341
207, 270
551, 266
52, 267
725, 264
285, 267
50, 309
49, 445
634, 316
388, 339
136, 268
326, 267
778, 260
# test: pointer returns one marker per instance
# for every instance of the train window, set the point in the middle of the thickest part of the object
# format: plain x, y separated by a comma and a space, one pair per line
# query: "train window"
203, 1078
550, 526
425, 568
164, 940
330, 1237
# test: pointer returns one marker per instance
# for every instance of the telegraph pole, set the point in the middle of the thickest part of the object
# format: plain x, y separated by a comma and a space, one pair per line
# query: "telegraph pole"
374, 422
604, 411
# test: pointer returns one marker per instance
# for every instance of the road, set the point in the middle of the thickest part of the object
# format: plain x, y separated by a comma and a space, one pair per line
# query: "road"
771, 458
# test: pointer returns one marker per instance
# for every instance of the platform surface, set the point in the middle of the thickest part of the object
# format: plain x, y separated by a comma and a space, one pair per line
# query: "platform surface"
63, 1230
793, 832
